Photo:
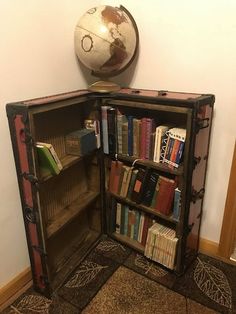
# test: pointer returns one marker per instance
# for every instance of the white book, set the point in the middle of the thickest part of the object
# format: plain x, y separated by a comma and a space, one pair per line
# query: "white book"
160, 131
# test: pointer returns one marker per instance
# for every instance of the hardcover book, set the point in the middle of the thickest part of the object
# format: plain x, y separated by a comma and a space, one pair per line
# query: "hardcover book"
47, 163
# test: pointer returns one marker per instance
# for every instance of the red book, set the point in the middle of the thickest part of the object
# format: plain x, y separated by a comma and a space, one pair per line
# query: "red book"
146, 225
116, 169
165, 195
148, 137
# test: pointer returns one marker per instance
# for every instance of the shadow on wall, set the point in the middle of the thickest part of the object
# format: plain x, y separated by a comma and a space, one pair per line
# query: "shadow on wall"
124, 79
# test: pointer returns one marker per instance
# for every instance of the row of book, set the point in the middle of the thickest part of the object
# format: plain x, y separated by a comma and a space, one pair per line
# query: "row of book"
141, 137
161, 245
158, 240
146, 187
132, 223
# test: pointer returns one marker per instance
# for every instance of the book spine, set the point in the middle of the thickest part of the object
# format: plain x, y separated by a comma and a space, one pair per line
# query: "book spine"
136, 195
149, 127
111, 126
177, 204
143, 138
120, 119
105, 129
125, 138
118, 218
130, 135
55, 156
126, 220
136, 137
136, 225
149, 189
132, 182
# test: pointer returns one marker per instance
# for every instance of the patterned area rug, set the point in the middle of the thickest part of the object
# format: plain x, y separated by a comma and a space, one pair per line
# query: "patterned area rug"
115, 279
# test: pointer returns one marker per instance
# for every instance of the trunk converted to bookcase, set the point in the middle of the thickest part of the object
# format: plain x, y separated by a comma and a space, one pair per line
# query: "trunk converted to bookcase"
65, 215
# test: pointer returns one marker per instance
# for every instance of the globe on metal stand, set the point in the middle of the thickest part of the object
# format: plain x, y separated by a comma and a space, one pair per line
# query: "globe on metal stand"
106, 42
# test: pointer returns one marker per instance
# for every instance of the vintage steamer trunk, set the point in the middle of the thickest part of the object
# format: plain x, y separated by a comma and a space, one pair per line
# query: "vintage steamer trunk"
65, 215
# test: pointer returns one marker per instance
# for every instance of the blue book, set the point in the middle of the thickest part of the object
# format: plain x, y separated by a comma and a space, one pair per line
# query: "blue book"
177, 204
136, 225
130, 135
126, 219
180, 153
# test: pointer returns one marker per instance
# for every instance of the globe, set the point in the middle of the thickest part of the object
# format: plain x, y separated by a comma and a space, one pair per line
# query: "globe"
106, 42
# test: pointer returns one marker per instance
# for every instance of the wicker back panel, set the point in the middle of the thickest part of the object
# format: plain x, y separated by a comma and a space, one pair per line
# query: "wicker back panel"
51, 126
59, 192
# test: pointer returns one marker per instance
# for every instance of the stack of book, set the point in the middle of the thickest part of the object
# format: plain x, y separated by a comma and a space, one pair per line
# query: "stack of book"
132, 223
161, 245
173, 150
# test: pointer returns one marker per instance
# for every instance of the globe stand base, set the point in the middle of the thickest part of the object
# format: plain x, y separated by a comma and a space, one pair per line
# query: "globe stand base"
104, 87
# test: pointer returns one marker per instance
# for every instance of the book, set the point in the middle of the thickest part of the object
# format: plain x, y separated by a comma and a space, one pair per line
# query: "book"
80, 142
130, 135
165, 195
136, 225
114, 178
120, 119
47, 163
94, 124
118, 218
177, 204
125, 181
149, 188
111, 129
125, 138
136, 195
105, 129
160, 132
132, 182
136, 137
143, 130
140, 229
148, 137
53, 153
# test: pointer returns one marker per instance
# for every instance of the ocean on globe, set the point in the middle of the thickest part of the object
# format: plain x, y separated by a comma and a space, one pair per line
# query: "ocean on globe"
106, 40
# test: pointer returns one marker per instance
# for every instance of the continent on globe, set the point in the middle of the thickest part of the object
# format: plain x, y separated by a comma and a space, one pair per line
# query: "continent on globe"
106, 40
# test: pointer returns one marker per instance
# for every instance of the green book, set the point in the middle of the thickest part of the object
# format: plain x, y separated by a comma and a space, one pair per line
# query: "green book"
47, 163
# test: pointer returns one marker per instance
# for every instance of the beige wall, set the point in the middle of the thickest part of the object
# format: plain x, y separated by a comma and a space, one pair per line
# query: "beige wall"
184, 45
190, 45
36, 59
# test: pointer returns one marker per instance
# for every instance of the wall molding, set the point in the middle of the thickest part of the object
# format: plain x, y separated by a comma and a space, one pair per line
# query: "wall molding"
208, 247
15, 287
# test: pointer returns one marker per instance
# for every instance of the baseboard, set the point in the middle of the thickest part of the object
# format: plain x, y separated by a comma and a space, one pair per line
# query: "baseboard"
208, 247
14, 287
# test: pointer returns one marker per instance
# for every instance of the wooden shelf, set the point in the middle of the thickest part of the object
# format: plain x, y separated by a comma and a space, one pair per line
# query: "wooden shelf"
130, 242
67, 161
149, 163
68, 213
146, 209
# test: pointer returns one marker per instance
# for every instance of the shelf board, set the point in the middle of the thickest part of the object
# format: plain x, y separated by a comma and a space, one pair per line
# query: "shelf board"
70, 212
155, 165
67, 161
144, 208
130, 242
